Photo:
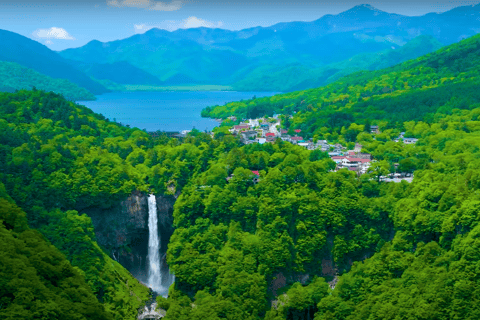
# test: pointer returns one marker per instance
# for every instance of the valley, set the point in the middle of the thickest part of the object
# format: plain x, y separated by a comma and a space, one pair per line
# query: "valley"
306, 170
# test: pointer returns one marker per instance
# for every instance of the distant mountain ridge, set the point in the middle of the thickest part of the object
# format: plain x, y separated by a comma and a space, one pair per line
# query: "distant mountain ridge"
36, 56
110, 71
417, 89
217, 56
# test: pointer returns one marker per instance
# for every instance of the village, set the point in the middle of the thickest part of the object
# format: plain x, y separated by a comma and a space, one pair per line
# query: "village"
267, 130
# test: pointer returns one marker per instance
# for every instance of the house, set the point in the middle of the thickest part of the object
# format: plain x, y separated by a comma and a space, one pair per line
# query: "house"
334, 154
296, 139
270, 134
261, 140
352, 163
265, 126
410, 140
249, 134
241, 127
367, 156
337, 158
362, 165
283, 132
307, 145
374, 130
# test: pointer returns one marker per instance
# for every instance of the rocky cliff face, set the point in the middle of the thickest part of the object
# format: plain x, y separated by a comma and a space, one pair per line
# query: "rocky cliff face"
165, 226
122, 230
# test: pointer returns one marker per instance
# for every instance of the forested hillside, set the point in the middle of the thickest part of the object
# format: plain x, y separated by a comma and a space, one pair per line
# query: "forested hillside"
36, 56
57, 159
414, 90
262, 231
16, 77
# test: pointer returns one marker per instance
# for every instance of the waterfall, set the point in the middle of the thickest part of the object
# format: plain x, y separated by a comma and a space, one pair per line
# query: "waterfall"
159, 277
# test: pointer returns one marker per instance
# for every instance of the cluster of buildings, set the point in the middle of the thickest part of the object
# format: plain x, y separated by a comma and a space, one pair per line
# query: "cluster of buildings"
358, 162
268, 130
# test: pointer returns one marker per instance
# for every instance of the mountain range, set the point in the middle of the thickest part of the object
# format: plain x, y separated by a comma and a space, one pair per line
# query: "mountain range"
283, 57
36, 56
216, 56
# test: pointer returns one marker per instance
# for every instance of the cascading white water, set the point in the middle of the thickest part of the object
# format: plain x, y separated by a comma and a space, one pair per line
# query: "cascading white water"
158, 283
154, 275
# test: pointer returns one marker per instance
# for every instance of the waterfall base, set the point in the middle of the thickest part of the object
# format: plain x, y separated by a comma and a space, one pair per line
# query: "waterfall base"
151, 313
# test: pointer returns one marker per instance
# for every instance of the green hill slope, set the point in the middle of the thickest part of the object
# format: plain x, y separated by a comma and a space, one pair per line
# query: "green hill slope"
16, 77
299, 76
413, 90
33, 55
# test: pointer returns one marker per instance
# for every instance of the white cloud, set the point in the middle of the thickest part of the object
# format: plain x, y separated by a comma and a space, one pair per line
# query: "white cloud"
161, 6
147, 4
172, 25
52, 33
194, 22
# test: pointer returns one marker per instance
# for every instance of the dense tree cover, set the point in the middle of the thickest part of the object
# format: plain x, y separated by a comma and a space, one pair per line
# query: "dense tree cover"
59, 158
235, 239
424, 233
414, 90
37, 281
244, 242
16, 77
428, 271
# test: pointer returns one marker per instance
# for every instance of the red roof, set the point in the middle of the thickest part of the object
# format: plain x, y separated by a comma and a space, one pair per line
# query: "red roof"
297, 138
297, 130
284, 131
270, 134
242, 126
338, 157
256, 172
358, 160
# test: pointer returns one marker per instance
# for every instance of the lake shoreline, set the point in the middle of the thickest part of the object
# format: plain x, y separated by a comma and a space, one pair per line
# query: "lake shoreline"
169, 111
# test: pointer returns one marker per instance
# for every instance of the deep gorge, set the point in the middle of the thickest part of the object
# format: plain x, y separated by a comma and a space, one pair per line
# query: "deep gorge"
122, 230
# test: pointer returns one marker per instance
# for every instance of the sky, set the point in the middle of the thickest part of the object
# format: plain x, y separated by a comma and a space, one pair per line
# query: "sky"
62, 24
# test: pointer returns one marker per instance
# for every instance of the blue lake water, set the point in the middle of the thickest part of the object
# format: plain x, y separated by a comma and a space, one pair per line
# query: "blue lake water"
165, 111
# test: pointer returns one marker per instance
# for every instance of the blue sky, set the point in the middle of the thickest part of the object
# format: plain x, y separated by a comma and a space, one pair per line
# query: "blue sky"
66, 24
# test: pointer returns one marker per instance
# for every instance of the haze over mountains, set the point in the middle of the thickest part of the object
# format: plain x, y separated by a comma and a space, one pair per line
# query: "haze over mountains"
216, 56
36, 56
283, 57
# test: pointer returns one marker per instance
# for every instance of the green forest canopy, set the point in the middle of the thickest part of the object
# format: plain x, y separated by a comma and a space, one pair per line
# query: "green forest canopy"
400, 250
414, 90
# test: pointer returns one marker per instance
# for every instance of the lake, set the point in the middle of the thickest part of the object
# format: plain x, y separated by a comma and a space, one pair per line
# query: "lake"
165, 111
